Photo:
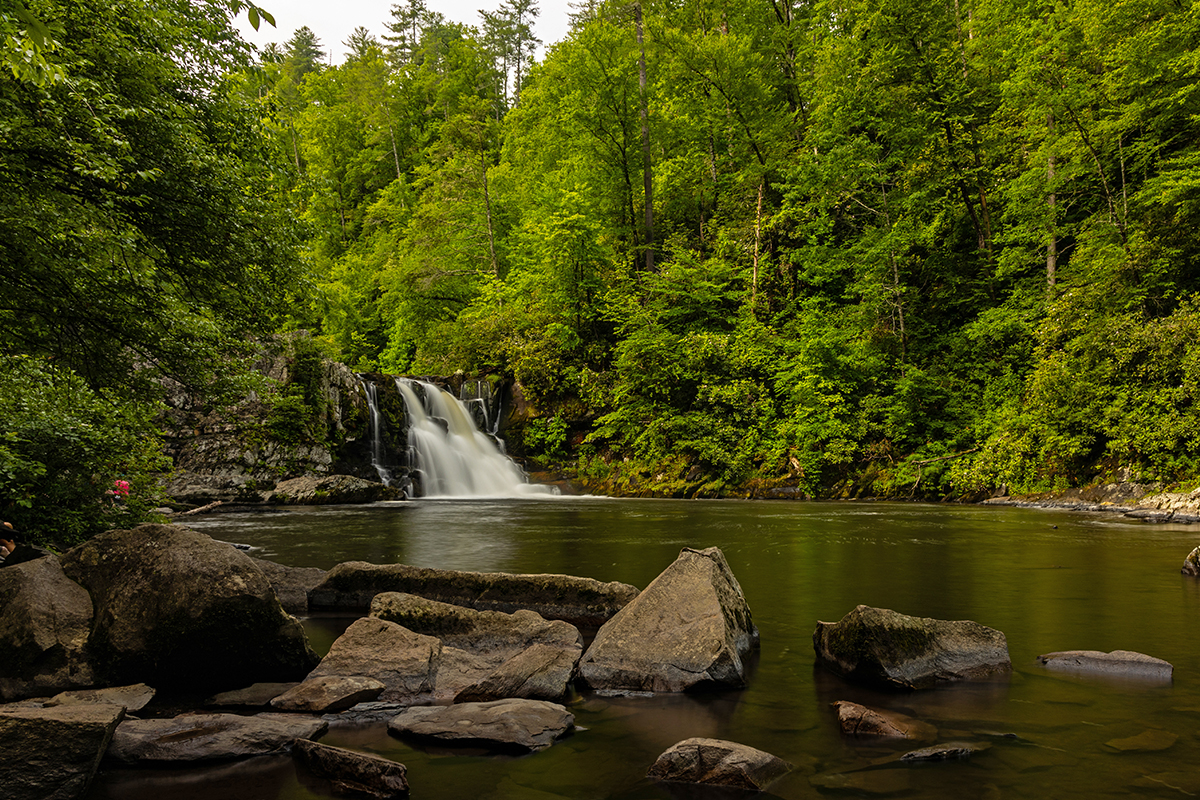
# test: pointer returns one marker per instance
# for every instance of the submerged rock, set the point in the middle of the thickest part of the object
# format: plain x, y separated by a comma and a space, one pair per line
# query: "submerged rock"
210, 737
176, 608
490, 654
718, 763
859, 720
45, 619
580, 601
947, 751
353, 773
517, 726
885, 648
689, 629
53, 752
1124, 664
1148, 741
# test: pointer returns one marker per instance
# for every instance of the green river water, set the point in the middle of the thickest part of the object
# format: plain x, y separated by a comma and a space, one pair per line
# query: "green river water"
1049, 580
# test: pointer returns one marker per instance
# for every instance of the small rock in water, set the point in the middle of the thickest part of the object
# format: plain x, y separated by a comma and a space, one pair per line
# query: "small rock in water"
1124, 664
718, 763
859, 720
947, 751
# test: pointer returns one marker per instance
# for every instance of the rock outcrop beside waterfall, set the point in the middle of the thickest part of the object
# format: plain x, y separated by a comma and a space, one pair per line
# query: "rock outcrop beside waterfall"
352, 585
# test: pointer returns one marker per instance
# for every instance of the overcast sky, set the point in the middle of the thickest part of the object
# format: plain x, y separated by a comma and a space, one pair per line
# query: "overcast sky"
334, 20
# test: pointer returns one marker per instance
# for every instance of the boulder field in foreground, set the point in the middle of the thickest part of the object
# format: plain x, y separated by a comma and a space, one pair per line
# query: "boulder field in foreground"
718, 763
689, 629
884, 648
580, 601
173, 607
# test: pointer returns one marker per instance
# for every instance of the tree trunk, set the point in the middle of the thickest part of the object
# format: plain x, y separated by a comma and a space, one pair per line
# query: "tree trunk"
647, 174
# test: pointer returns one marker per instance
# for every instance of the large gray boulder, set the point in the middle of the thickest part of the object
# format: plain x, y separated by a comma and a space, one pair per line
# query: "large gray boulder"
580, 601
513, 726
45, 618
210, 737
884, 648
1119, 664
689, 629
718, 763
352, 773
173, 607
406, 663
53, 753
506, 655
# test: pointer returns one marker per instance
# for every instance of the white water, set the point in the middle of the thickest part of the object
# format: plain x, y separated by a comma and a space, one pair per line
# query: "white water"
450, 455
385, 475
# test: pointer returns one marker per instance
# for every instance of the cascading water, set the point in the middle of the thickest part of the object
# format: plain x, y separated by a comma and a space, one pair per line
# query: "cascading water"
449, 456
376, 430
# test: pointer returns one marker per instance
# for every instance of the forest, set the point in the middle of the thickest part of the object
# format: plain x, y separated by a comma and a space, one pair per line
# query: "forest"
842, 247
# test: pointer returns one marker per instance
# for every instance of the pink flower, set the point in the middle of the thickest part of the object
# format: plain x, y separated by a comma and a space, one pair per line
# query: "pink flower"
121, 488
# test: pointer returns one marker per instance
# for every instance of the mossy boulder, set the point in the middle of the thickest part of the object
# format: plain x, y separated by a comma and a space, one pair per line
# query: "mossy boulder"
884, 648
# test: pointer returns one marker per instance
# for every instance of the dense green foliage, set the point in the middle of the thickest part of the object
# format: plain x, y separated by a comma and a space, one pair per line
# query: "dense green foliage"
144, 239
894, 247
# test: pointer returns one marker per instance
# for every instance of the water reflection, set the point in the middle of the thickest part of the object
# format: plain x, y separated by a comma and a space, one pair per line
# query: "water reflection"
1050, 580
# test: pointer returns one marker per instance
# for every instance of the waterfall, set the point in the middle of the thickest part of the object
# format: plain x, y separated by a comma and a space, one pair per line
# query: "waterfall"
376, 431
448, 455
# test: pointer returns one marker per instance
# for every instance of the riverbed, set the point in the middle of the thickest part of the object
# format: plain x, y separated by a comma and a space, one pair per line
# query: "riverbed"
1049, 580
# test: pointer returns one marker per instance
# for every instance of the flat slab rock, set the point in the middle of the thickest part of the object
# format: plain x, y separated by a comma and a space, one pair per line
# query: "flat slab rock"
256, 695
406, 663
53, 752
884, 648
131, 698
580, 601
1116, 664
352, 773
329, 694
860, 720
512, 725
210, 737
718, 763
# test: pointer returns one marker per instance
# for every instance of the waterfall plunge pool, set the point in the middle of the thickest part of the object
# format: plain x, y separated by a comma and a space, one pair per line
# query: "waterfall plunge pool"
1049, 580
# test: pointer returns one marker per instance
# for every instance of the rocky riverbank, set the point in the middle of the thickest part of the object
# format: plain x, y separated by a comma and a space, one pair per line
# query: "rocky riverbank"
1147, 502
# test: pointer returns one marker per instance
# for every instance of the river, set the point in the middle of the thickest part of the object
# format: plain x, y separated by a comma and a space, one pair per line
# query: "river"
1049, 580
